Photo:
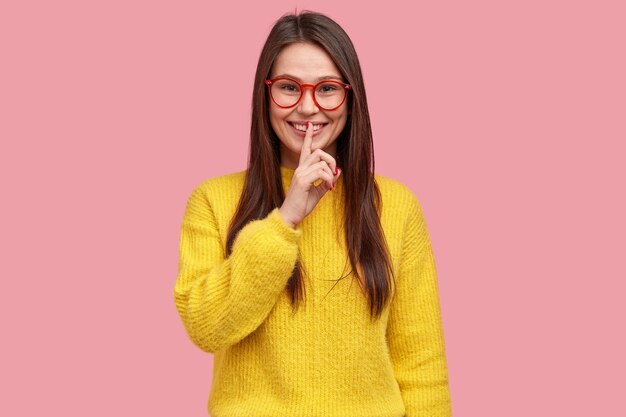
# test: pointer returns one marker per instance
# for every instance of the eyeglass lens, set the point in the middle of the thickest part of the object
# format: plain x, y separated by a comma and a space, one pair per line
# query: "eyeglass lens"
328, 94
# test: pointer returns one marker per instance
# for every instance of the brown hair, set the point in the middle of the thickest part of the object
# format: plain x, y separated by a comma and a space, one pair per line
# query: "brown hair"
263, 190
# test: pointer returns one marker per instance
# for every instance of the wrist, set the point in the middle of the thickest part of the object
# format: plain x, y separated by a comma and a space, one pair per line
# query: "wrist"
286, 219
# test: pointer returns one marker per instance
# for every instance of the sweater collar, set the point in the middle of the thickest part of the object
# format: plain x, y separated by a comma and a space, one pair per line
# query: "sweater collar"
286, 174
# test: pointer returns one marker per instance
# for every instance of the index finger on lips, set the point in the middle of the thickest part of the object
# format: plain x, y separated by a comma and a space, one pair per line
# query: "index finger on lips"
308, 141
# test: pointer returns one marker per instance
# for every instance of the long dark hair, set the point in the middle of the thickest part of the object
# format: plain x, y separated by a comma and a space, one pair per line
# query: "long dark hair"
263, 190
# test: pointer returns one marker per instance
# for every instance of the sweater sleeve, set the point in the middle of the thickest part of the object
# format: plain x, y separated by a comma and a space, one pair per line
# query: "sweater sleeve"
414, 330
221, 301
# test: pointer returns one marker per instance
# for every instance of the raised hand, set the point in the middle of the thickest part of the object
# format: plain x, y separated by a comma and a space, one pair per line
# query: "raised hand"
303, 195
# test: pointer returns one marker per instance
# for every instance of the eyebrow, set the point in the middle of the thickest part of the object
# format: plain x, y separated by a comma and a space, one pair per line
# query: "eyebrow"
325, 77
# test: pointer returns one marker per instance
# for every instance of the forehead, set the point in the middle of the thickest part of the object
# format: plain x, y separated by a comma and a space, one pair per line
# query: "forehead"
305, 61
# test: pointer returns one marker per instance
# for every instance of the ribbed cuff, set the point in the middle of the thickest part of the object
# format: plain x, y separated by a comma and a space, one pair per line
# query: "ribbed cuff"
287, 232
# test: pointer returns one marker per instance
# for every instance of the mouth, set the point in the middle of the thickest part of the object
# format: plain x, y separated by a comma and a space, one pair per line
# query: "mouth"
299, 129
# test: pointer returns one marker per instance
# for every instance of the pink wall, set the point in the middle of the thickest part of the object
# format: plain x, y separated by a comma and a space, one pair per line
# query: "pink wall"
508, 122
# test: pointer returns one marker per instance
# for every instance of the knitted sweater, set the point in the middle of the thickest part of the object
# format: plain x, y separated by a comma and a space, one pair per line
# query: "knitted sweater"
328, 359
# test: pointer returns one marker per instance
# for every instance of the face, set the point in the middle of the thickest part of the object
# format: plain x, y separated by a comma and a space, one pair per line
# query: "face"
306, 63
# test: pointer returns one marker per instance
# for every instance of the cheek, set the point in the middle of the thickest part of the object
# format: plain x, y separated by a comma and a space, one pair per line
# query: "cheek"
276, 122
277, 117
341, 122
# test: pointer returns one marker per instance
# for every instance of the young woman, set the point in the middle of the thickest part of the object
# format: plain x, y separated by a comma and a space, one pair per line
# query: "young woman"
309, 277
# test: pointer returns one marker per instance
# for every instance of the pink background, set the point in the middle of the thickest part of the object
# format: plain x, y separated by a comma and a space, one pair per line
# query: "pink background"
507, 119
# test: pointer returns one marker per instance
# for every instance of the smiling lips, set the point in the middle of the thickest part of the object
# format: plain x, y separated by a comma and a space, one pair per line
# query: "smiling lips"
300, 129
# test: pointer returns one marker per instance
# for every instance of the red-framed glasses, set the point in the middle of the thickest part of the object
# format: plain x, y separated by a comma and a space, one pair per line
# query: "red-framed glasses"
328, 94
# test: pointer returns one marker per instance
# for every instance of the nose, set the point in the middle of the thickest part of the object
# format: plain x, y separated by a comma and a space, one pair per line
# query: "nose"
307, 103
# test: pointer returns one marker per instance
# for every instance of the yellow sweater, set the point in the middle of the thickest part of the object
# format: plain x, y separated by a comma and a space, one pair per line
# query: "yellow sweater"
329, 359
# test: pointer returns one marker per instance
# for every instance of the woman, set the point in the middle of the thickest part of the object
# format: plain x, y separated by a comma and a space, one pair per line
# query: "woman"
268, 255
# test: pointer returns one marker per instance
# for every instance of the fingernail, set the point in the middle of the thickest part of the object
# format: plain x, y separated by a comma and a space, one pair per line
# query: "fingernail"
339, 169
307, 124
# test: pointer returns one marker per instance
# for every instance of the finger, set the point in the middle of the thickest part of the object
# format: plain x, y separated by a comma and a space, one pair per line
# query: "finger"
308, 140
320, 155
337, 174
318, 171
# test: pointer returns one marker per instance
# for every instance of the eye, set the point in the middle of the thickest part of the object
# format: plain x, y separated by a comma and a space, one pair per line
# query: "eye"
328, 88
287, 86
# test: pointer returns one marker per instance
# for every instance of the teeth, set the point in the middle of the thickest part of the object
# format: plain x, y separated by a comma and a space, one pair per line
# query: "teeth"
303, 127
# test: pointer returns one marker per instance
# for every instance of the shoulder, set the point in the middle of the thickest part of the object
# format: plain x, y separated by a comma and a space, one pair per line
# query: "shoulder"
395, 192
222, 184
402, 213
220, 192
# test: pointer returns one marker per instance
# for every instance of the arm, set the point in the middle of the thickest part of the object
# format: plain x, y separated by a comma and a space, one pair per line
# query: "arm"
221, 301
414, 331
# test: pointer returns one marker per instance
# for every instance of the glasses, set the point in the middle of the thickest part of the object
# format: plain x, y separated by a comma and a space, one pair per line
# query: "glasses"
329, 94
